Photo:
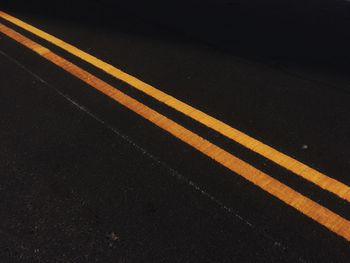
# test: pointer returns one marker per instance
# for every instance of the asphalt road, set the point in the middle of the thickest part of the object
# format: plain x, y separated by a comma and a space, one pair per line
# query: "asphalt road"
84, 179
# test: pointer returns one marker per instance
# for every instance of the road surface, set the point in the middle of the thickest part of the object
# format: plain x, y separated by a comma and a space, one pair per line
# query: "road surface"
192, 155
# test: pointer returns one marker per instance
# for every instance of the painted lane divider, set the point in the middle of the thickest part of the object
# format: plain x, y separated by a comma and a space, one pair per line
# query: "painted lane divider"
306, 206
323, 181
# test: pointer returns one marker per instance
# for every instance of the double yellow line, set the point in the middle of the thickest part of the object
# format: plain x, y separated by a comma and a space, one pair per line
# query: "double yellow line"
313, 210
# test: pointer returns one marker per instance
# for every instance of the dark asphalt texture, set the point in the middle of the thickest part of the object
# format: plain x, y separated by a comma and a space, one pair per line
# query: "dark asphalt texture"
86, 180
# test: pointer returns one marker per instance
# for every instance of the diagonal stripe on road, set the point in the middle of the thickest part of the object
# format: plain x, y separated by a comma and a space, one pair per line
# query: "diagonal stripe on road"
303, 204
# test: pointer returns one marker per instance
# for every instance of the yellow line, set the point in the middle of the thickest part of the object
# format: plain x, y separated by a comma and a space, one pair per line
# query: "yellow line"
313, 210
325, 182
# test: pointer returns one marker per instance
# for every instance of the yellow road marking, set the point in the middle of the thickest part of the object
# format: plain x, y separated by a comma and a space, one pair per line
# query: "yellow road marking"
325, 182
313, 210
